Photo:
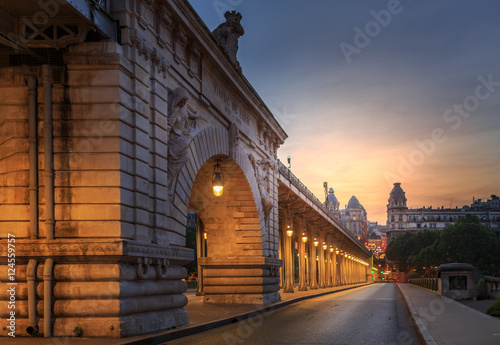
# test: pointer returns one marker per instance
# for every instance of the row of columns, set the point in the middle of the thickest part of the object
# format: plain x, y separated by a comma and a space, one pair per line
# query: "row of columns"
321, 264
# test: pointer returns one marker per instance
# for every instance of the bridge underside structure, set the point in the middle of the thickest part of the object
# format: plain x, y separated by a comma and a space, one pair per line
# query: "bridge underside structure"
328, 253
113, 116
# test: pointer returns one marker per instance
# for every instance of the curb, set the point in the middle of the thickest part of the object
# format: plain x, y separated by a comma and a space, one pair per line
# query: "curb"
423, 332
156, 339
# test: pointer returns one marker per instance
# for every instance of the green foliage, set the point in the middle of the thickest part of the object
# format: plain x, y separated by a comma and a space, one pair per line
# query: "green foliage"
470, 242
401, 251
481, 289
191, 243
494, 309
406, 248
78, 331
466, 241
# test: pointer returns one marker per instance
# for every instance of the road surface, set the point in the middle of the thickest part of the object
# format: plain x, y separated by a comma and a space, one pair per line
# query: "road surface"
374, 314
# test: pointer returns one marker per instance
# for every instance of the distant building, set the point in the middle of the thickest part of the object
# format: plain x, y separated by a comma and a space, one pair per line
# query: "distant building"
377, 237
332, 203
400, 218
355, 218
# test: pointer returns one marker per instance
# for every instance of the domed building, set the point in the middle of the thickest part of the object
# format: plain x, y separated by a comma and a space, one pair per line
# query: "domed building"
332, 203
355, 219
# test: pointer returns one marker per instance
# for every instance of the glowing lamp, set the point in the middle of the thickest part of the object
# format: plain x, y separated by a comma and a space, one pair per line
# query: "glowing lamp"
218, 180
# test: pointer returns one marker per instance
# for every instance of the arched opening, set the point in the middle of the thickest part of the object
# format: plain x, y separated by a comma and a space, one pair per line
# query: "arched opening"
231, 263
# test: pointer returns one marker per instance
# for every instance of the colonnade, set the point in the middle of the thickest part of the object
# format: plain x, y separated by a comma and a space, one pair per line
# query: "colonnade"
317, 256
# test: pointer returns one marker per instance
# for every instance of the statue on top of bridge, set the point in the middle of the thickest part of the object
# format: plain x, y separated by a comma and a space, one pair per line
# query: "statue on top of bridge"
181, 124
227, 35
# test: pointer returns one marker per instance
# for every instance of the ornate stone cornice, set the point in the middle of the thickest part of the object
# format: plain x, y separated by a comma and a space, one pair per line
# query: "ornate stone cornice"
78, 249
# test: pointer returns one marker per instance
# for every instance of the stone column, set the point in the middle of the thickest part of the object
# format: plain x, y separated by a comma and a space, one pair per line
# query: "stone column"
288, 288
200, 252
328, 267
321, 263
302, 265
312, 262
335, 271
282, 236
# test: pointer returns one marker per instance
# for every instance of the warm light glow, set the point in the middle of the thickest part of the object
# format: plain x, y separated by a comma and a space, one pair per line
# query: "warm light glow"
218, 190
324, 246
316, 242
289, 231
217, 180
304, 237
336, 251
317, 258
345, 255
205, 235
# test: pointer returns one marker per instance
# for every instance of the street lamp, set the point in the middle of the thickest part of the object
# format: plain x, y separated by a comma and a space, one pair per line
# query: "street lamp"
304, 237
218, 179
324, 246
289, 231
315, 242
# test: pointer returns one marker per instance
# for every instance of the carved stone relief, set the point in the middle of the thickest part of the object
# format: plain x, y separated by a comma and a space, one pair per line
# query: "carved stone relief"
181, 125
262, 169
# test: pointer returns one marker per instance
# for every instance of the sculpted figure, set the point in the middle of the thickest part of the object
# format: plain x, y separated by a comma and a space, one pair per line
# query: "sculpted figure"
228, 33
262, 170
181, 124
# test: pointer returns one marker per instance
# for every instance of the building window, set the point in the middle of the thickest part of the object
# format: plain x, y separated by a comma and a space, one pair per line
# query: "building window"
418, 225
400, 226
400, 218
392, 218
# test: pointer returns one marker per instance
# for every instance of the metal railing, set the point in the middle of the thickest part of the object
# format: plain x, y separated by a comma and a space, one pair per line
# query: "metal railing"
294, 180
427, 283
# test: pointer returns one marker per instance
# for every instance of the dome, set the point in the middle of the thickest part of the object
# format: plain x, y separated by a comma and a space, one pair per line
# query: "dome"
331, 197
353, 203
397, 193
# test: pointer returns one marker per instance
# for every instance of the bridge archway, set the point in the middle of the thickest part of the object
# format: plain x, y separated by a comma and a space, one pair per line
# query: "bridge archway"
235, 268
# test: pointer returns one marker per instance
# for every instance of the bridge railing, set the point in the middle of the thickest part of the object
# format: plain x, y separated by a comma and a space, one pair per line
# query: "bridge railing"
294, 180
427, 283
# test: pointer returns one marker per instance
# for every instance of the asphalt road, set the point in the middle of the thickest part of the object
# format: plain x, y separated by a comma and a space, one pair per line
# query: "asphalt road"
374, 314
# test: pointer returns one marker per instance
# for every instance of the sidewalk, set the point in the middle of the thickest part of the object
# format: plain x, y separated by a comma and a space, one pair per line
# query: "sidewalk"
441, 320
202, 317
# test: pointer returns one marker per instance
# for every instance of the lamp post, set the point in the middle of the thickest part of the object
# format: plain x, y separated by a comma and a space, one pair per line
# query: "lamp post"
218, 179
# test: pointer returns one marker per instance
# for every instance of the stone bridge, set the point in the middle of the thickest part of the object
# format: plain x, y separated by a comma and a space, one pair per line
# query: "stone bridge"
115, 119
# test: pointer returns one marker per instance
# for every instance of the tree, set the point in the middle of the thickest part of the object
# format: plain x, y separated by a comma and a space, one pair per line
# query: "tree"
405, 249
191, 243
469, 241
401, 250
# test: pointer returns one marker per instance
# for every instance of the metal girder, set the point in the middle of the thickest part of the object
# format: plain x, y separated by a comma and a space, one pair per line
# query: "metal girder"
95, 12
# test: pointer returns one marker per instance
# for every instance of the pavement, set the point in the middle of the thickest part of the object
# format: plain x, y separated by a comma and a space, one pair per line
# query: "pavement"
202, 317
442, 321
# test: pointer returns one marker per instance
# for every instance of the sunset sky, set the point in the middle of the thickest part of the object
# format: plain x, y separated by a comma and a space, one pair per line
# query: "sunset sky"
376, 92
